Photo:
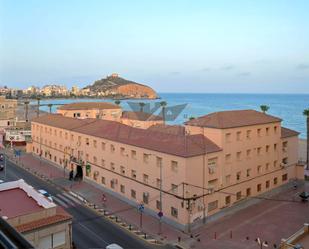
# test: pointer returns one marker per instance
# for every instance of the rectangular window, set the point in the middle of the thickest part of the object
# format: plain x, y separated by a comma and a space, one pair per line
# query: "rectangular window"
174, 166
248, 153
159, 161
267, 148
238, 175
227, 200
267, 184
112, 184
284, 177
122, 151
133, 174
267, 166
212, 206
103, 180
248, 172
146, 197
146, 158
133, 194
267, 131
145, 178
259, 188
112, 148
158, 205
112, 166
275, 181
174, 188
259, 132
95, 143
158, 183
174, 212
133, 154
238, 136
87, 141
122, 170
275, 147
228, 137
248, 192
275, 129
259, 151
259, 169
248, 134
103, 146
238, 155
238, 195
285, 161
275, 164
228, 158
122, 188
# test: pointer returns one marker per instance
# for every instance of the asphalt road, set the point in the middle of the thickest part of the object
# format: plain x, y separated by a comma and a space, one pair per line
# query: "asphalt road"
89, 230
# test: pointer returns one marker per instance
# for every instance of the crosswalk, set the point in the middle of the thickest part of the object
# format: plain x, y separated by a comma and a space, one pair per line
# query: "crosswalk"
66, 200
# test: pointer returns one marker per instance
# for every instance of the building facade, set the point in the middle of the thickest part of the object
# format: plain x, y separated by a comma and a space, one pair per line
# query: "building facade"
190, 175
42, 223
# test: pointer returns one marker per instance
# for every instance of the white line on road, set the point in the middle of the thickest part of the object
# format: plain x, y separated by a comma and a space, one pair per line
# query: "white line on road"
60, 202
94, 234
71, 198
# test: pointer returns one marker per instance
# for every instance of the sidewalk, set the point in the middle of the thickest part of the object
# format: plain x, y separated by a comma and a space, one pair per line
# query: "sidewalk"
93, 194
270, 220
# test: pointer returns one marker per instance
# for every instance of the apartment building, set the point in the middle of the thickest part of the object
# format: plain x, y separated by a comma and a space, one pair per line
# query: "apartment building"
8, 109
189, 172
40, 221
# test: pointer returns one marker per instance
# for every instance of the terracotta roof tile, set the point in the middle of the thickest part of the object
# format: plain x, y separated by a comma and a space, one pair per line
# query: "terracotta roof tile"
169, 129
141, 116
89, 106
42, 222
232, 119
179, 145
285, 132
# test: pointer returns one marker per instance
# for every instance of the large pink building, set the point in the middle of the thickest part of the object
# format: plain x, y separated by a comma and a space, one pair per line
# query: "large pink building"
189, 172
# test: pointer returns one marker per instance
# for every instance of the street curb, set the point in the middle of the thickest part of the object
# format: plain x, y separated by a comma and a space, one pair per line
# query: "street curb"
93, 207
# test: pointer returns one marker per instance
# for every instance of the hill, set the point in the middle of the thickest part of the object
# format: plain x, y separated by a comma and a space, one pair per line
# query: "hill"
114, 85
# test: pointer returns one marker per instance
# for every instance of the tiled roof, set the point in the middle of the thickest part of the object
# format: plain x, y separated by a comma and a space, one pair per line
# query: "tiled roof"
232, 119
89, 106
168, 129
179, 145
141, 116
42, 222
285, 132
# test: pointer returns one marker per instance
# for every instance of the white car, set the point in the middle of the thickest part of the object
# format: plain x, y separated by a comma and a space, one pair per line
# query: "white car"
1, 181
46, 194
114, 246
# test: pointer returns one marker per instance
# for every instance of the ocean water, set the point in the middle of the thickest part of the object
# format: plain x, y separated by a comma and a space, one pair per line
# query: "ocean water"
288, 107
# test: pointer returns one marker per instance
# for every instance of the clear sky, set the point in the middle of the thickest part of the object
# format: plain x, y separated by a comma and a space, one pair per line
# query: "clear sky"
171, 45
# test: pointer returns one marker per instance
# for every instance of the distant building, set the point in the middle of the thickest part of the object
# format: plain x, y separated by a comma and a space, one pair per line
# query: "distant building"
8, 109
42, 222
82, 110
202, 168
54, 90
75, 90
141, 120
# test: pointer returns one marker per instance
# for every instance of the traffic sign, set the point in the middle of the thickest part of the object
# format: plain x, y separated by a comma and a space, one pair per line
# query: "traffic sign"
141, 207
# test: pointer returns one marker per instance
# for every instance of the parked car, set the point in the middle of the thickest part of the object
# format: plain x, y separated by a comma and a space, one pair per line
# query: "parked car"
114, 246
46, 194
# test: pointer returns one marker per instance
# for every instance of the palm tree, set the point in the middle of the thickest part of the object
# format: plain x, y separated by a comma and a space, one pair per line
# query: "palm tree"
26, 109
264, 108
50, 107
117, 102
38, 110
163, 104
306, 113
142, 104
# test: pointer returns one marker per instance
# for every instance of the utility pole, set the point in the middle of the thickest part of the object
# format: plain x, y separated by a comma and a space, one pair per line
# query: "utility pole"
160, 214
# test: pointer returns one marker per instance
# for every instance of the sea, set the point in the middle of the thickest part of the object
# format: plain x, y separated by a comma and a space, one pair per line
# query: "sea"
289, 107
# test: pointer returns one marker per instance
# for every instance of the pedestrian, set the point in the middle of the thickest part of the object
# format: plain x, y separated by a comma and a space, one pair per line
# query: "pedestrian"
71, 175
295, 184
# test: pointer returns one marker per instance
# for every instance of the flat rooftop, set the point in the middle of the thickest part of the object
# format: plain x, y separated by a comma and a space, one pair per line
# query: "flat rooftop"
16, 202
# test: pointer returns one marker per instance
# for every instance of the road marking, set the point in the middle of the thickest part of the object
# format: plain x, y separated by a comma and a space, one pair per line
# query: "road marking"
64, 199
71, 198
94, 234
60, 202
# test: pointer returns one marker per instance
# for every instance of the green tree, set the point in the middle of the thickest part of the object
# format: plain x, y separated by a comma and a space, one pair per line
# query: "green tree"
117, 102
141, 105
264, 108
163, 105
306, 113
50, 107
